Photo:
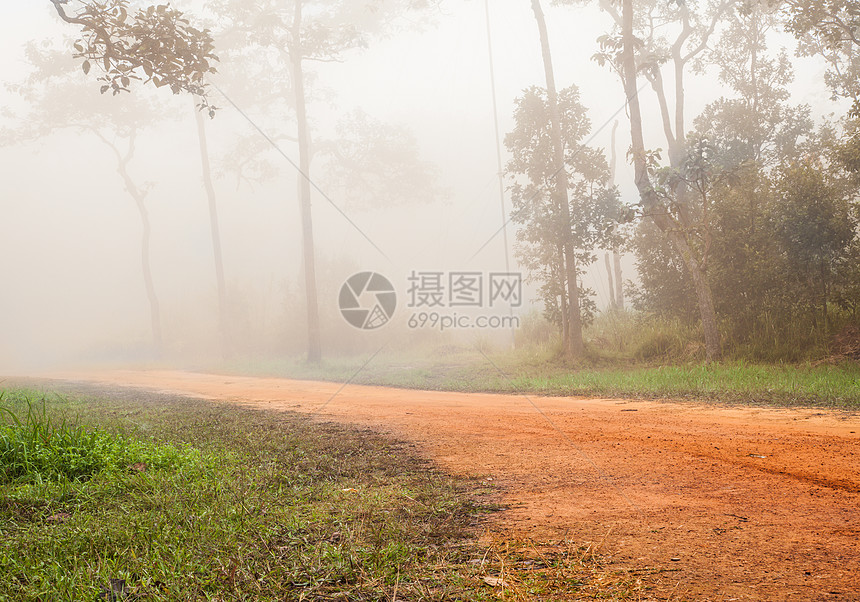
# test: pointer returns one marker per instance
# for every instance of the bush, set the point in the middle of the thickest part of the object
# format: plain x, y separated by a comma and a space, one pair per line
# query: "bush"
536, 331
643, 337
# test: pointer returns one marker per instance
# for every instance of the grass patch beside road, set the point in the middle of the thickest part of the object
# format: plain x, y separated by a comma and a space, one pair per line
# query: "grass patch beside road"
537, 372
140, 496
256, 507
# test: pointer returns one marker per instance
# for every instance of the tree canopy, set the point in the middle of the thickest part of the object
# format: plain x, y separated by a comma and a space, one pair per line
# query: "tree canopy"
157, 44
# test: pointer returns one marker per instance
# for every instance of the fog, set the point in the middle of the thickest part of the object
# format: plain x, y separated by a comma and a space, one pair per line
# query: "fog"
71, 282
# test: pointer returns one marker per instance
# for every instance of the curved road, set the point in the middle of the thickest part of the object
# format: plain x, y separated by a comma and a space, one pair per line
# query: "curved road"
717, 503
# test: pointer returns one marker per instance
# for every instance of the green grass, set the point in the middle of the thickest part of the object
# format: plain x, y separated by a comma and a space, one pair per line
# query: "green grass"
537, 371
836, 387
38, 447
183, 499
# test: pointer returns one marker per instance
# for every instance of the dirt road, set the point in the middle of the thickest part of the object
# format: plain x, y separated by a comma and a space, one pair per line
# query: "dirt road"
731, 503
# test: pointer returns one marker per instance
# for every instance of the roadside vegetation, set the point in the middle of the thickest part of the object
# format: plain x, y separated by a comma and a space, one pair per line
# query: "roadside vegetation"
628, 355
134, 496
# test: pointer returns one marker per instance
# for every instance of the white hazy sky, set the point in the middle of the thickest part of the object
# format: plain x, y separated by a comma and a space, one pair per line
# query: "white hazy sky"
70, 239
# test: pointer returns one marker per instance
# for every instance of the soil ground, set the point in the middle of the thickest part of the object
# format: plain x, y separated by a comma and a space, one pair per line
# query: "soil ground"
703, 502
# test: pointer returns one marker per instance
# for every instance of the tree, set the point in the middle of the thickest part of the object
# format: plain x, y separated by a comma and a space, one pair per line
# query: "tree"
215, 230
719, 198
847, 279
830, 29
632, 51
283, 38
815, 226
780, 215
548, 231
373, 164
757, 125
752, 134
575, 346
664, 287
616, 285
648, 35
155, 45
56, 99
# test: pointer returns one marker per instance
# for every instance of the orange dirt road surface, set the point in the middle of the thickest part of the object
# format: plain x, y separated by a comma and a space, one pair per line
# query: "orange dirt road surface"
716, 503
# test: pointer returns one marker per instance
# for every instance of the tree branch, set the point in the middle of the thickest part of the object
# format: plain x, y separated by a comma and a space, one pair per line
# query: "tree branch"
657, 85
101, 32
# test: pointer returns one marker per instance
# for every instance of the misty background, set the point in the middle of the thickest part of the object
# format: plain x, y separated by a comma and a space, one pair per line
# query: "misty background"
71, 288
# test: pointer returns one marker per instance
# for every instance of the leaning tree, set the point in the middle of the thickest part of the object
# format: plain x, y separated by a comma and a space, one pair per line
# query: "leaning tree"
648, 38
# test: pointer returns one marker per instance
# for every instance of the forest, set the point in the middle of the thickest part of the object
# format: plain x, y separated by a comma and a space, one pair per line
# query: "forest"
723, 204
430, 300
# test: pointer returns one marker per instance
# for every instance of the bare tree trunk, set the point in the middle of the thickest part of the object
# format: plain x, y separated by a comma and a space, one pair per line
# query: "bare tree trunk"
565, 322
652, 204
713, 348
612, 302
565, 318
826, 319
215, 230
139, 197
154, 307
619, 285
616, 256
499, 159
613, 156
576, 346
314, 342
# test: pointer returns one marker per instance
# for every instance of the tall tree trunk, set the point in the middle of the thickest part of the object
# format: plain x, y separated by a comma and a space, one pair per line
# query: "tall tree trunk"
296, 56
612, 302
825, 317
619, 285
705, 297
139, 197
154, 307
650, 201
576, 346
616, 256
499, 162
215, 230
565, 317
